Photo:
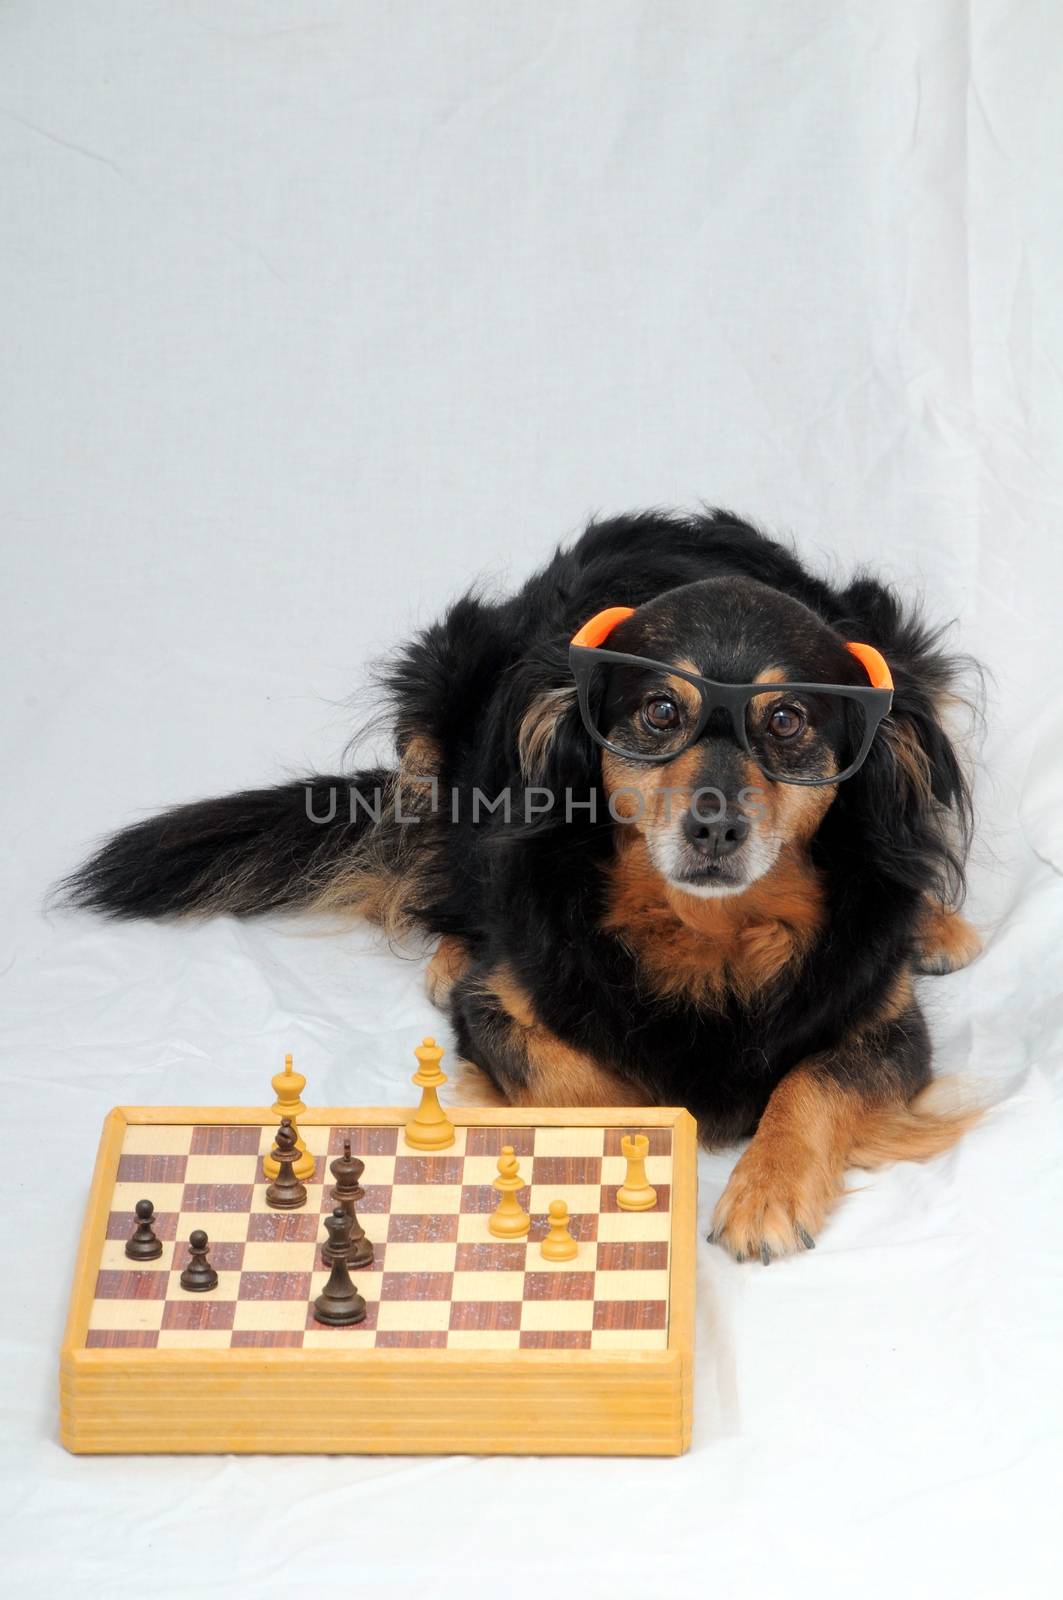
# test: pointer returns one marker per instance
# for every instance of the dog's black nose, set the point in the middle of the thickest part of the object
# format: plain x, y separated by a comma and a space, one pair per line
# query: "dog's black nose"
717, 838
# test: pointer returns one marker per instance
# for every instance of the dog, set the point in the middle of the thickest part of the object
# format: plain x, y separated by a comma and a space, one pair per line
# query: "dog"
650, 872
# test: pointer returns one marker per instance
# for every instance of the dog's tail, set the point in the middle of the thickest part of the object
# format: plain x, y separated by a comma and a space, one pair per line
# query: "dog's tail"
928, 1125
323, 843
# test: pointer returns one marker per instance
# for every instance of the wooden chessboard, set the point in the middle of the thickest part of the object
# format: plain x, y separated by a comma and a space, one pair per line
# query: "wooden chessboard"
470, 1344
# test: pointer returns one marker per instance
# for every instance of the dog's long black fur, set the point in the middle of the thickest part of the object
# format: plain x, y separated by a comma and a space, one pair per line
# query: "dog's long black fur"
528, 897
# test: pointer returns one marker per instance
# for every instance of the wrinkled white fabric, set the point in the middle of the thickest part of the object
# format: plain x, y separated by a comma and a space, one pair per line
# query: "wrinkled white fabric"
311, 313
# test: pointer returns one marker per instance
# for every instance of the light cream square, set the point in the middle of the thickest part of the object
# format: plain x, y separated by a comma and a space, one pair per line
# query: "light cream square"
165, 1139
409, 1315
195, 1339
579, 1197
220, 1169
426, 1199
256, 1316
230, 1226
284, 1256
569, 1141
629, 1339
631, 1286
488, 1286
127, 1314
573, 1316
614, 1226
319, 1337
421, 1257
483, 1339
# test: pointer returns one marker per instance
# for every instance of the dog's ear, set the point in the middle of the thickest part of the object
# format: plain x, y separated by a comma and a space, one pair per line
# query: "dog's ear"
556, 751
914, 795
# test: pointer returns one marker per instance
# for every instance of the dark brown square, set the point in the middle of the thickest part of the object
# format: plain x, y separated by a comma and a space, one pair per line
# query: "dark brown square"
660, 1140
199, 1197
205, 1313
439, 1229
413, 1339
554, 1339
377, 1200
120, 1224
275, 1338
491, 1141
121, 1339
429, 1169
226, 1141
152, 1169
630, 1313
633, 1255
274, 1285
416, 1285
364, 1141
477, 1314
131, 1285
608, 1200
566, 1169
500, 1257
559, 1286
284, 1227
481, 1197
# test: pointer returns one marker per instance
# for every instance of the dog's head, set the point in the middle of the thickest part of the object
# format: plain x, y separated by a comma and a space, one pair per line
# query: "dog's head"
721, 780
747, 777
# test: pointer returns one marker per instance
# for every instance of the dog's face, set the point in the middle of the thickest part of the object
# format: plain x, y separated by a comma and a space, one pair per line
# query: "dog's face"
713, 821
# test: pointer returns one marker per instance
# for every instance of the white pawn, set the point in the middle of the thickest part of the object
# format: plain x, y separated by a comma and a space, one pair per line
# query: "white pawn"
559, 1245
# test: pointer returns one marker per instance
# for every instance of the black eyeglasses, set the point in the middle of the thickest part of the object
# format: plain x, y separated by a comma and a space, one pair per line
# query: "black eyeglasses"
652, 711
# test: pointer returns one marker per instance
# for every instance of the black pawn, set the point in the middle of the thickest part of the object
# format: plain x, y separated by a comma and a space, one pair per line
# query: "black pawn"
143, 1244
199, 1275
347, 1170
286, 1193
339, 1305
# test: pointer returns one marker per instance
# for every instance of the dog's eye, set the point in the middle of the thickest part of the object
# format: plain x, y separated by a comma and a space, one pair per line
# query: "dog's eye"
786, 722
659, 713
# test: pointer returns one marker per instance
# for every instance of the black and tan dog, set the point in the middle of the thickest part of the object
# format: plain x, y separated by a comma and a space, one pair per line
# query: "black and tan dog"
607, 933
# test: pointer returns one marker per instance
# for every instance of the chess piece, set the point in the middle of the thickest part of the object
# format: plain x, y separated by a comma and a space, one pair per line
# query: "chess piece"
286, 1193
199, 1275
635, 1193
288, 1086
339, 1305
430, 1128
559, 1245
347, 1170
143, 1244
508, 1220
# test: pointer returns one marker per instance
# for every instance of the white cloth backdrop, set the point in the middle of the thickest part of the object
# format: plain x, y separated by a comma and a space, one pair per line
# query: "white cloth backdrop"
314, 310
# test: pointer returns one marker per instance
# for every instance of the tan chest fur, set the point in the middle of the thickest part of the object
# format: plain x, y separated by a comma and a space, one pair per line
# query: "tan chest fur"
699, 950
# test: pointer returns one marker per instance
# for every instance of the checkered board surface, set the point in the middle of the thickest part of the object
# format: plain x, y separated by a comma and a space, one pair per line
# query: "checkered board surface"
438, 1279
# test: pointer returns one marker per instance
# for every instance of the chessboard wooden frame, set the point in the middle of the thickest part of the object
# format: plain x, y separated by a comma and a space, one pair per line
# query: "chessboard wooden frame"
383, 1401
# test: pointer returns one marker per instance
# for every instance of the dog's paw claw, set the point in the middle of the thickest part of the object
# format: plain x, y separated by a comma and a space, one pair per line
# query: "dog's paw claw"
805, 1237
766, 1255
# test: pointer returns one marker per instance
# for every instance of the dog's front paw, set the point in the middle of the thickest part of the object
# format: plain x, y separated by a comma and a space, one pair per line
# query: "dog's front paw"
945, 942
767, 1211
